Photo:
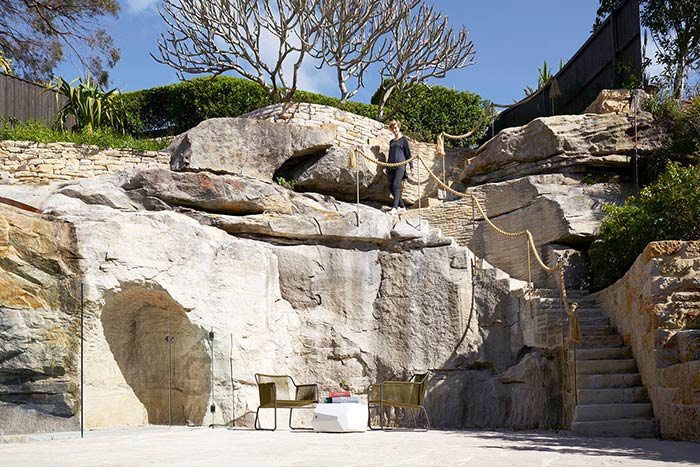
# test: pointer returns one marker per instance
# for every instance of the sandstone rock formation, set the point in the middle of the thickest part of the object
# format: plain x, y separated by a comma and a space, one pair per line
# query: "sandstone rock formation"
245, 147
196, 279
561, 212
565, 144
341, 302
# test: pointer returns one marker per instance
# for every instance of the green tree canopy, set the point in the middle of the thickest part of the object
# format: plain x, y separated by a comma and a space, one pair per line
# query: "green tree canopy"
37, 35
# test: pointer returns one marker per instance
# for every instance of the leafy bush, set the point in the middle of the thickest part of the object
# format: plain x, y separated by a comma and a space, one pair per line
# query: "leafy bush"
176, 108
684, 120
11, 129
666, 210
91, 106
433, 109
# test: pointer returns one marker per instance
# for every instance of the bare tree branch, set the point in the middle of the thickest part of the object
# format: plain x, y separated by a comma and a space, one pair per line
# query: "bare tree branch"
354, 35
423, 46
217, 36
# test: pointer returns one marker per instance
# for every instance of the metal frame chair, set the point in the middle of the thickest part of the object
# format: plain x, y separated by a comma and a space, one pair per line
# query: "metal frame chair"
275, 393
403, 394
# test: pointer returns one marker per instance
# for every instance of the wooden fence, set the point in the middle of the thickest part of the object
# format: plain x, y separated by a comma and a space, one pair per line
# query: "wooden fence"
25, 100
609, 59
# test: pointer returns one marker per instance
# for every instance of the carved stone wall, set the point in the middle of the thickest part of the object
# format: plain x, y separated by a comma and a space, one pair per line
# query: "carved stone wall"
656, 307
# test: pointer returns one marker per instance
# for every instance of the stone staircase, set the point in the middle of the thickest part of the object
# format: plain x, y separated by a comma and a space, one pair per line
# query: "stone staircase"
611, 398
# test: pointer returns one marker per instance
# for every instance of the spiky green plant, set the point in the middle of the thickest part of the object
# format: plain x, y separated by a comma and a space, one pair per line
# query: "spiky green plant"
5, 64
91, 106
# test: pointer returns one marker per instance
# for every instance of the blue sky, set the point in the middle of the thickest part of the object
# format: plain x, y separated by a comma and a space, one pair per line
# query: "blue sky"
511, 37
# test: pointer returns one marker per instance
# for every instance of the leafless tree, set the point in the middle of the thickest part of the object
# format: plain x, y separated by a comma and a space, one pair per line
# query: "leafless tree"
355, 35
423, 46
216, 36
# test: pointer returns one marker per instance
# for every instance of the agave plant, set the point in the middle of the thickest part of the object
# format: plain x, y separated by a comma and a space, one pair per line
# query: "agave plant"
5, 64
91, 106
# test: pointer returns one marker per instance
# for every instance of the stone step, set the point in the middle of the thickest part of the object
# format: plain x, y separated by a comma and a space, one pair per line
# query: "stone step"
614, 340
596, 329
585, 321
612, 411
569, 293
554, 303
612, 380
613, 396
600, 367
582, 312
631, 428
603, 353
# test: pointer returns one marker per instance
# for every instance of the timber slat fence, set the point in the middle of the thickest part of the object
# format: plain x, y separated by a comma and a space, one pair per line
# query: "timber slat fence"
607, 60
25, 100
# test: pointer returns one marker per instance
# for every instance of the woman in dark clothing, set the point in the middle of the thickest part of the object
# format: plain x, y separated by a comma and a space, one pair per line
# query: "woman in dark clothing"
398, 152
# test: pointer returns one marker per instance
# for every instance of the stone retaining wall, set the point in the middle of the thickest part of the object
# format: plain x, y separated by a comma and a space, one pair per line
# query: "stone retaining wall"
656, 307
38, 163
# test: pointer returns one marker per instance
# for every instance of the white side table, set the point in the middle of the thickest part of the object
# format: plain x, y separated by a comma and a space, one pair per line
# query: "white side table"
340, 418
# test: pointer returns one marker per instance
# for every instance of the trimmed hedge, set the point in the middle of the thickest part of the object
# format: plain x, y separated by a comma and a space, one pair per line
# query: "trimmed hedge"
173, 109
176, 108
433, 109
667, 210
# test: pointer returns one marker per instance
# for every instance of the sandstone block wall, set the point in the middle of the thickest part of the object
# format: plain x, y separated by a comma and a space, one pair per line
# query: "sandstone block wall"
656, 307
38, 163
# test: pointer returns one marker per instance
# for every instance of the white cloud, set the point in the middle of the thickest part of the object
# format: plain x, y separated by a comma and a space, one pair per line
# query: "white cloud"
138, 6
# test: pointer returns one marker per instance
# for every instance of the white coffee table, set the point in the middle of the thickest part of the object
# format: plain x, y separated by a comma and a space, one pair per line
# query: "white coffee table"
340, 418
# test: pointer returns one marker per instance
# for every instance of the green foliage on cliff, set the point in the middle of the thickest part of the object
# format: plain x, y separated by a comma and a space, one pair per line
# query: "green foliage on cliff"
176, 108
666, 210
684, 120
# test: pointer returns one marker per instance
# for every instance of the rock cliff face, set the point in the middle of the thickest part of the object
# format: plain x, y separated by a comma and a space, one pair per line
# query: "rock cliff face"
312, 294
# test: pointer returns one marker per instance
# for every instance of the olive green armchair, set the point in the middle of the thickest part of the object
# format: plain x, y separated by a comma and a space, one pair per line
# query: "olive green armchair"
281, 392
402, 394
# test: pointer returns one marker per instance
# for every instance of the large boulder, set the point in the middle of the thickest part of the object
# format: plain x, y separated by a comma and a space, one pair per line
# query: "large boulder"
564, 143
244, 146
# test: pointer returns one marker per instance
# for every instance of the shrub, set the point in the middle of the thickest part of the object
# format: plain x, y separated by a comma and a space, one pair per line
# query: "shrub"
176, 108
666, 210
91, 106
684, 120
433, 109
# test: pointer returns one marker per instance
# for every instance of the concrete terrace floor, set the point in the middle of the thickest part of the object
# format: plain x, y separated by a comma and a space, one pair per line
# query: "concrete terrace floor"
180, 446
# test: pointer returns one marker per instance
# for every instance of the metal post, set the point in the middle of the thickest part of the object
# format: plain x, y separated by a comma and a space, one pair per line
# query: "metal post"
212, 408
169, 339
82, 362
233, 400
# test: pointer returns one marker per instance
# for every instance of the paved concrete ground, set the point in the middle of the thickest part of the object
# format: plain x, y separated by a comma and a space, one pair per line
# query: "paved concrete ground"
215, 447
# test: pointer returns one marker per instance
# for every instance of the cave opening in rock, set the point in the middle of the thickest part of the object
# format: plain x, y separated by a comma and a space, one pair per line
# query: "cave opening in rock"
298, 164
170, 379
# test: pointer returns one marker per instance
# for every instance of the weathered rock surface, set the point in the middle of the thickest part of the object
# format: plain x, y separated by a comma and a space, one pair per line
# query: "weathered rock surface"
566, 143
332, 175
558, 210
341, 303
247, 147
656, 307
39, 323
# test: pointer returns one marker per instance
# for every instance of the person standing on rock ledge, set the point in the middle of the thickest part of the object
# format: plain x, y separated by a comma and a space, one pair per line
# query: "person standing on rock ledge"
398, 152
